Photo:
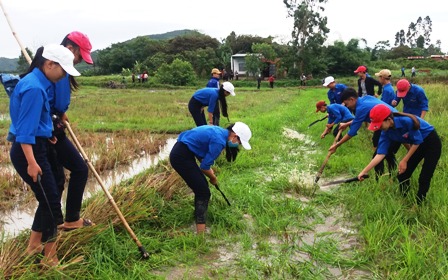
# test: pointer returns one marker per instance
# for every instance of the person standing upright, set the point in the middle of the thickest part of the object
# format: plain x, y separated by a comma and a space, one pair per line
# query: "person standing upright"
366, 84
271, 81
259, 79
403, 74
413, 71
214, 83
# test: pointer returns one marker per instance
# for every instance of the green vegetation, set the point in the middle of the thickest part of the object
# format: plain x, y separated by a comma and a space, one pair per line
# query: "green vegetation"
276, 228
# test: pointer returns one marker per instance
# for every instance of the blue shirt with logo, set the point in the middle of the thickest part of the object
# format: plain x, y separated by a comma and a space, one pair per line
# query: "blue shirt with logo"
388, 94
404, 132
415, 101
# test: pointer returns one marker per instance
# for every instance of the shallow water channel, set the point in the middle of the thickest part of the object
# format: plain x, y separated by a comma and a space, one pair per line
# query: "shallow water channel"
21, 217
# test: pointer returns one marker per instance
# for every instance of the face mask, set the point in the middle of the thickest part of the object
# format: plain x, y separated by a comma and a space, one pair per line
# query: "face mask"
232, 145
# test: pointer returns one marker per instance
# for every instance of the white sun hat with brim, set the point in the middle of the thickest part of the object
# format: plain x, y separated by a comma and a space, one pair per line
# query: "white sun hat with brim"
328, 80
61, 55
227, 86
244, 133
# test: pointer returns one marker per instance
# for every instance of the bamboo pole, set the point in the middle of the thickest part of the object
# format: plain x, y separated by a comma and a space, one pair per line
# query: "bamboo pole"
25, 53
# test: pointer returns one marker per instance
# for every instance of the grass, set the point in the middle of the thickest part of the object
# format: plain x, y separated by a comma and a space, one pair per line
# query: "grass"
275, 228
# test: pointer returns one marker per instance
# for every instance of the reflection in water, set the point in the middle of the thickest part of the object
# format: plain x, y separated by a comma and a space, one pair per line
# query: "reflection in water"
18, 219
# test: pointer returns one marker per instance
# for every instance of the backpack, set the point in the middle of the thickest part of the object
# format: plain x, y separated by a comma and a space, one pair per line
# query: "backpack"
9, 82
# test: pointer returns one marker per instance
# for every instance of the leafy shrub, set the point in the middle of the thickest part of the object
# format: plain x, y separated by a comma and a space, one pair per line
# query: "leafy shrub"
178, 73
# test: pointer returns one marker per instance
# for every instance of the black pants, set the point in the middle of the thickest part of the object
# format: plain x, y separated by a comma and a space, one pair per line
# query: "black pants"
68, 157
47, 212
196, 110
429, 151
389, 158
184, 162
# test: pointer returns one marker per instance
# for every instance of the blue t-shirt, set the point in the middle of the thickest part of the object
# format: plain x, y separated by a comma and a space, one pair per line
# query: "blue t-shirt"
207, 97
29, 108
403, 132
362, 112
334, 94
415, 101
338, 113
60, 101
388, 94
206, 142
213, 83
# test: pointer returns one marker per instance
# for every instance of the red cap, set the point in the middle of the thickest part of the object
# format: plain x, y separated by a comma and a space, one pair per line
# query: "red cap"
360, 69
402, 87
319, 104
377, 115
83, 42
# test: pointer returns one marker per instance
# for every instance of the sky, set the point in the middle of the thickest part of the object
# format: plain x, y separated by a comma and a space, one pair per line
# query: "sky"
42, 22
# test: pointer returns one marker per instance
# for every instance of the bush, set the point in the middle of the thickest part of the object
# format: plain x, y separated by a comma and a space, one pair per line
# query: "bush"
178, 73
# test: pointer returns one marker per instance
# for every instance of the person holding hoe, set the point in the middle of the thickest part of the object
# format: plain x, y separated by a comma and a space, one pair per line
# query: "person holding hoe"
337, 113
210, 98
362, 106
205, 143
31, 119
421, 140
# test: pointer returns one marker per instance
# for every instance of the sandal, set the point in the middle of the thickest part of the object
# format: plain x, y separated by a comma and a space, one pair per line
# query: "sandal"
85, 223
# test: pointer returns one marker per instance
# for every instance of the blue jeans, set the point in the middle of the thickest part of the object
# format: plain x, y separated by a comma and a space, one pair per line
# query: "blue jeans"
47, 212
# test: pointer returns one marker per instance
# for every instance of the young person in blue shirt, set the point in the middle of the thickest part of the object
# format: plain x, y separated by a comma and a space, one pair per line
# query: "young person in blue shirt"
388, 94
209, 97
361, 107
64, 154
214, 83
30, 116
414, 98
337, 113
335, 90
205, 143
420, 139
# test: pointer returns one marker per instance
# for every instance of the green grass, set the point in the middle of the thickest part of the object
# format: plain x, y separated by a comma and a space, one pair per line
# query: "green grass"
275, 228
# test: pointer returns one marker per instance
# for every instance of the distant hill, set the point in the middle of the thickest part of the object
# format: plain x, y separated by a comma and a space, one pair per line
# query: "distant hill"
172, 34
9, 65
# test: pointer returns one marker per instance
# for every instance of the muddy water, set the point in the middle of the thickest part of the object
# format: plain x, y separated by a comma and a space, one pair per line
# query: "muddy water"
21, 217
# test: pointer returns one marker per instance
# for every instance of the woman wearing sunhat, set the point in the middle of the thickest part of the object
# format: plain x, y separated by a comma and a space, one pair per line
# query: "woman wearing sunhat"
206, 143
210, 98
420, 139
32, 123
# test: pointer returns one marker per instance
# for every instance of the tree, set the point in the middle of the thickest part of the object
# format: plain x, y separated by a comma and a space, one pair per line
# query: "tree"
309, 31
22, 63
178, 73
253, 63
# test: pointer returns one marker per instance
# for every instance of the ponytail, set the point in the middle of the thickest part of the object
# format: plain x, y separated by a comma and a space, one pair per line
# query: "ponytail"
414, 118
223, 102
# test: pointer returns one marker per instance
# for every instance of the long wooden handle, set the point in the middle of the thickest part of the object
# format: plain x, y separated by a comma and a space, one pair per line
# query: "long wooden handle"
321, 169
109, 196
25, 53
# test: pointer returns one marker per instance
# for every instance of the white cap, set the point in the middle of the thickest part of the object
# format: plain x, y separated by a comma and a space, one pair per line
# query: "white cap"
61, 55
328, 80
227, 86
244, 133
